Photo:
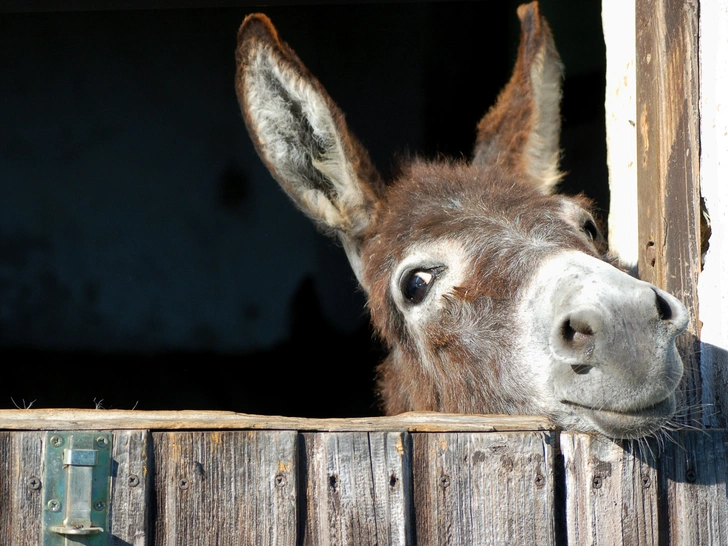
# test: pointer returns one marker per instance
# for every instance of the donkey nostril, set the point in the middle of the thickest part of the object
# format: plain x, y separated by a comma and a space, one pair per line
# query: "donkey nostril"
664, 311
574, 330
567, 332
578, 336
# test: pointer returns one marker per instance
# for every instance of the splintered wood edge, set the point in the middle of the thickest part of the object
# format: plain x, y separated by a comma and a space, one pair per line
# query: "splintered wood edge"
77, 419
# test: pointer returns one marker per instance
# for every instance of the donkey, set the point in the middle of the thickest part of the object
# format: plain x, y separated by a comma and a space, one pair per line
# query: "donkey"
492, 293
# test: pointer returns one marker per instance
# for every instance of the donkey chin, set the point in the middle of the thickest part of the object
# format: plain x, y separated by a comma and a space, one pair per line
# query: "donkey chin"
602, 346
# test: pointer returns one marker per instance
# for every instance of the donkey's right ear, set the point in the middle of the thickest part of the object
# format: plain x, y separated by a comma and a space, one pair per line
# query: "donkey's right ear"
301, 135
521, 131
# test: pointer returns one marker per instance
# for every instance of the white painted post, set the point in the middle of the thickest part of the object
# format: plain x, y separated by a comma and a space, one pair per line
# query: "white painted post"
618, 18
713, 281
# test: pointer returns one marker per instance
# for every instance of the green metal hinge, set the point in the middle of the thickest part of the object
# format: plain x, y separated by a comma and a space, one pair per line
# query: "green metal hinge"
77, 487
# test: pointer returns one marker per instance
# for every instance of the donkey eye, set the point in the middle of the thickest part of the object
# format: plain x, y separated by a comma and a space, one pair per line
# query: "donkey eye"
417, 283
590, 228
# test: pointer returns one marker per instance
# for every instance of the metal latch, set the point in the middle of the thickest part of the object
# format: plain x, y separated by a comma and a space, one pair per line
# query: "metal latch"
77, 488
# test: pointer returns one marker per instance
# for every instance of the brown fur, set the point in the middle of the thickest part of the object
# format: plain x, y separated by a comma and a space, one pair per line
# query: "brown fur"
487, 216
504, 133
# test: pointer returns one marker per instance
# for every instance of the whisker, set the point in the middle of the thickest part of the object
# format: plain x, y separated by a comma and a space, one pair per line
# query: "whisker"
25, 406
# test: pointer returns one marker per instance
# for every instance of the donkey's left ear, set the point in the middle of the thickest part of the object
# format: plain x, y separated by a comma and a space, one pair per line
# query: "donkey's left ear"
301, 136
521, 131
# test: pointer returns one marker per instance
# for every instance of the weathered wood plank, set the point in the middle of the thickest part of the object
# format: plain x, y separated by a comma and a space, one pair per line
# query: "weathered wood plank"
358, 489
668, 143
21, 488
6, 489
473, 489
693, 473
225, 488
611, 494
22, 467
131, 489
73, 419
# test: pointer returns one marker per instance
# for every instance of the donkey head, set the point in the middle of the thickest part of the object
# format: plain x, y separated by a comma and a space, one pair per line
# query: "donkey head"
492, 292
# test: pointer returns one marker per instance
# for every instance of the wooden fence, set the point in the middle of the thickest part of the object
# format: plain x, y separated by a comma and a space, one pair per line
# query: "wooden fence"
214, 478
218, 478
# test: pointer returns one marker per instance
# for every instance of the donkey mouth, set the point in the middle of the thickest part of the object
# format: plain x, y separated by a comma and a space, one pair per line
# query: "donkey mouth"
627, 424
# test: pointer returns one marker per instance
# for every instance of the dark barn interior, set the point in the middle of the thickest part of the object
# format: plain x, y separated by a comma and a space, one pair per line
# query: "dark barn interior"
147, 258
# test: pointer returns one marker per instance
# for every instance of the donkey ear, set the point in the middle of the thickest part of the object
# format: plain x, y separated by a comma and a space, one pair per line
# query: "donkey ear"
521, 131
301, 136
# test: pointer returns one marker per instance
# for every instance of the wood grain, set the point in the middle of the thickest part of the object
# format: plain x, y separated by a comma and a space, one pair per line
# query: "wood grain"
6, 487
693, 473
132, 488
228, 487
73, 419
21, 505
225, 488
484, 488
612, 492
358, 489
668, 176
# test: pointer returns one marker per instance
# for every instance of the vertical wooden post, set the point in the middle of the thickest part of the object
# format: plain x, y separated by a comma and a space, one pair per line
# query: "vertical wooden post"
692, 504
602, 474
229, 487
21, 500
693, 489
130, 509
668, 167
358, 489
484, 488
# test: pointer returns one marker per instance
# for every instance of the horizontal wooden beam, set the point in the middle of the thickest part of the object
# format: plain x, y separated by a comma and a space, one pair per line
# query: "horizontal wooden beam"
76, 419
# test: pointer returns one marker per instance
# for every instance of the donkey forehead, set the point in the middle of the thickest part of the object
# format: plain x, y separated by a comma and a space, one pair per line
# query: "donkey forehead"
486, 211
466, 189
